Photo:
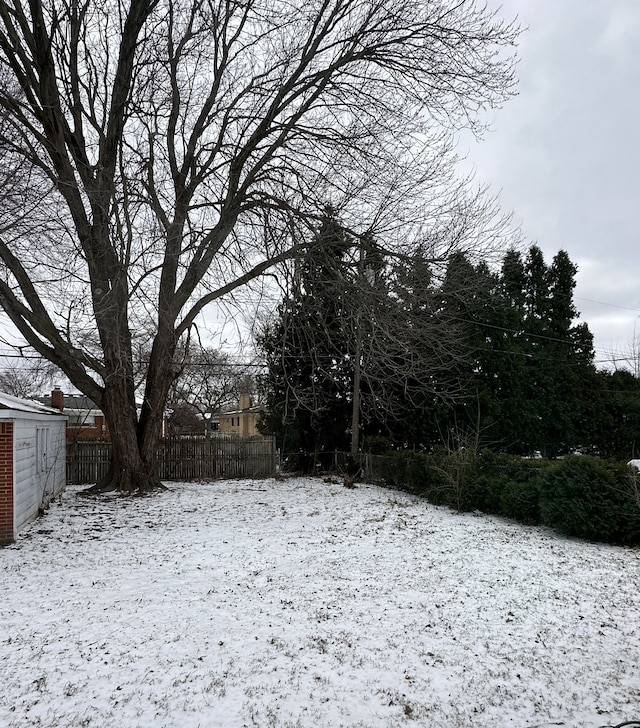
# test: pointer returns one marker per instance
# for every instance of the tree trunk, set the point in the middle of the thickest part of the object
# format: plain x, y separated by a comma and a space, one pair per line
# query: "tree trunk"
133, 466
128, 471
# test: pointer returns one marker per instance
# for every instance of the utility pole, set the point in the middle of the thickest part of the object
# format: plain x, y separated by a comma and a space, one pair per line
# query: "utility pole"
355, 415
357, 365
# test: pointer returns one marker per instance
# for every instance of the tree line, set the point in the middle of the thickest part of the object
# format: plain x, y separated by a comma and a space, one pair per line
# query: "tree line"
463, 355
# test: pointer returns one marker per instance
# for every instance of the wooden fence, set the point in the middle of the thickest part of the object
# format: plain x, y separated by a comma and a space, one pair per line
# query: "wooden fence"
183, 458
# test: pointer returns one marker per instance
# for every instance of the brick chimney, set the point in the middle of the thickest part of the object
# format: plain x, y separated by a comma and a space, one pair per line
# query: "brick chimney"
245, 400
57, 399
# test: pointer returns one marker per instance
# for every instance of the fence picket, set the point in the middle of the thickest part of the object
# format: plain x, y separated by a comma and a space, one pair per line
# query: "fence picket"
183, 458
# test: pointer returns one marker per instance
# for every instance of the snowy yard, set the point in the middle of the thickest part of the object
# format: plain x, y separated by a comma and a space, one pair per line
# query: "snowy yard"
309, 605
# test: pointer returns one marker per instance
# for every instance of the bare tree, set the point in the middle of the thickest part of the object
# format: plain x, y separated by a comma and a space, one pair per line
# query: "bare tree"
208, 382
158, 155
27, 378
629, 358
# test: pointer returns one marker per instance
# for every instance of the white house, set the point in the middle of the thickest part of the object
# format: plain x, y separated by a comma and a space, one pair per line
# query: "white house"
32, 461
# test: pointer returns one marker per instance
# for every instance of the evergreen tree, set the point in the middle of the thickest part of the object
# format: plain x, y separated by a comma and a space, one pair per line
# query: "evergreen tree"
468, 301
429, 347
527, 390
308, 350
615, 415
360, 342
561, 367
511, 354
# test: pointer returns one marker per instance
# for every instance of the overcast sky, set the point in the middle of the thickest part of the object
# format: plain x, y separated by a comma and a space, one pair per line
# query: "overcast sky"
565, 154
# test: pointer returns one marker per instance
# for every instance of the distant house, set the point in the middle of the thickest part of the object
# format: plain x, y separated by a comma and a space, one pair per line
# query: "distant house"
32, 461
243, 421
85, 420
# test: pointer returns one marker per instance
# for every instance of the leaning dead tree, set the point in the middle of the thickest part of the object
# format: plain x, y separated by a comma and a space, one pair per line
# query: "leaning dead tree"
160, 154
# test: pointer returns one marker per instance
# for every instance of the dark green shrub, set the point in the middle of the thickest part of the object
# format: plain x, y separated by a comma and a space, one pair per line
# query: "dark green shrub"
627, 487
416, 472
519, 499
580, 496
376, 445
483, 483
520, 494
443, 479
588, 498
421, 477
502, 484
499, 484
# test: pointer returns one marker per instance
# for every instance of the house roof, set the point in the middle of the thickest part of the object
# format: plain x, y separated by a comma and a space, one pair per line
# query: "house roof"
72, 402
255, 408
17, 404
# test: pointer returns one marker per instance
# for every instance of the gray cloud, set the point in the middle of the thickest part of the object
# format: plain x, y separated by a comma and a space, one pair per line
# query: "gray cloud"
565, 154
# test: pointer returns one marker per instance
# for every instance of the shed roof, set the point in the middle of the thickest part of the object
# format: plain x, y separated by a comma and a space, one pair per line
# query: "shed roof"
17, 404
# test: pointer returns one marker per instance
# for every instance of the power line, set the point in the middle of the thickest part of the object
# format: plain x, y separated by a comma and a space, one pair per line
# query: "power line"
612, 305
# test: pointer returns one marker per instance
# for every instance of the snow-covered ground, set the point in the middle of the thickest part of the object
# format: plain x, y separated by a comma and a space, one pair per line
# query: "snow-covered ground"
304, 604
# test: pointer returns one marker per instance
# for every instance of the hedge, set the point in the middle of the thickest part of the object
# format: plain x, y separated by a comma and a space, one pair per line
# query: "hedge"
578, 496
